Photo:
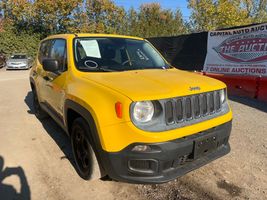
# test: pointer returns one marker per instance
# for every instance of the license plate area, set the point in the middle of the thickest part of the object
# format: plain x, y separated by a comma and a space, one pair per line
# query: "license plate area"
204, 145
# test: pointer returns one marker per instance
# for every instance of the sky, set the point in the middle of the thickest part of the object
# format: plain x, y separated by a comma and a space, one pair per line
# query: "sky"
169, 4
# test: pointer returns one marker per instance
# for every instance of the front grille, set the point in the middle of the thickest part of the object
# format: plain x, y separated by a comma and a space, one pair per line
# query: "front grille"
169, 112
192, 107
197, 106
179, 109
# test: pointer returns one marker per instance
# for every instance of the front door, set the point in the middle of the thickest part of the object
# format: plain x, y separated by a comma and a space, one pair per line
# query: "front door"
55, 81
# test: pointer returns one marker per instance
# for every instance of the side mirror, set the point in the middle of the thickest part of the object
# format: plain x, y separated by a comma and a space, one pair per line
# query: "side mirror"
50, 65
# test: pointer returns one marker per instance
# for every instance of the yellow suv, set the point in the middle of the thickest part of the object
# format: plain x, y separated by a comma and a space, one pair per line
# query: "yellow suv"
130, 116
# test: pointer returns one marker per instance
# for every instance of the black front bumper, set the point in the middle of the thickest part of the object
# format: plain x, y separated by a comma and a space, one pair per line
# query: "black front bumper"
168, 160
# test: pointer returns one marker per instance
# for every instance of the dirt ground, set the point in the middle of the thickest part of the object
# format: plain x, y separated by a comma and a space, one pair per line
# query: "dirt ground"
36, 161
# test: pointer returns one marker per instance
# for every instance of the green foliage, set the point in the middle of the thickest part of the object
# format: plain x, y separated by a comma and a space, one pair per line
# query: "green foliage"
152, 21
28, 21
104, 16
23, 43
217, 14
52, 17
47, 17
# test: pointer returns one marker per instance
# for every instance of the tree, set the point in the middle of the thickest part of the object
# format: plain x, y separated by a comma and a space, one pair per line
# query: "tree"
256, 9
1, 22
152, 21
42, 16
231, 13
54, 16
47, 17
104, 16
217, 14
11, 43
132, 22
18, 13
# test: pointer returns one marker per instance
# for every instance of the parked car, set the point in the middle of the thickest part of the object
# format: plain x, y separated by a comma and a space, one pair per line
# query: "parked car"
130, 115
19, 61
2, 60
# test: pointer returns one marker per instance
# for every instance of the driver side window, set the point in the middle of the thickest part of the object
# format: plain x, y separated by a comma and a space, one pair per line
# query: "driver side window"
54, 49
58, 52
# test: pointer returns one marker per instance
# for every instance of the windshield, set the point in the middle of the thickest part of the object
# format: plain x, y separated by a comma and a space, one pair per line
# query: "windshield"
18, 57
115, 54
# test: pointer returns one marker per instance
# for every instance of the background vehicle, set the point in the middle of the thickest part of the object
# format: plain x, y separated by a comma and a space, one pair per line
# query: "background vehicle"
129, 114
19, 61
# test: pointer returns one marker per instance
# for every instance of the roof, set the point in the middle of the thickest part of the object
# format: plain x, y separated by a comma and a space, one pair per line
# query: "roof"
73, 35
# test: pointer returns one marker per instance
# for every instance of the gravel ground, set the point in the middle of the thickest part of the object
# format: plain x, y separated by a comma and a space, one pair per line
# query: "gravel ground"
38, 163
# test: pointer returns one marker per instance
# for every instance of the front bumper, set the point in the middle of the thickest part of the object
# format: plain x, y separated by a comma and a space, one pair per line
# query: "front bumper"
17, 67
168, 160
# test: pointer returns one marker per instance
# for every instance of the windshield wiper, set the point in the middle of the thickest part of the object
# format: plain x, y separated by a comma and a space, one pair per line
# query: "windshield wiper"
106, 69
144, 68
97, 69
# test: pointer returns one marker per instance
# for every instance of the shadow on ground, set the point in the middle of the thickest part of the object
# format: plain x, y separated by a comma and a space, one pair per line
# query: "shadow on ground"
254, 103
54, 131
8, 192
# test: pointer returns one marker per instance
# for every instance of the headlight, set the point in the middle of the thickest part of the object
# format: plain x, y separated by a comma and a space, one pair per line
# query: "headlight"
24, 62
223, 95
143, 111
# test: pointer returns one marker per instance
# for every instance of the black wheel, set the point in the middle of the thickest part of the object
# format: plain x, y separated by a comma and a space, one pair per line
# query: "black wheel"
39, 112
81, 148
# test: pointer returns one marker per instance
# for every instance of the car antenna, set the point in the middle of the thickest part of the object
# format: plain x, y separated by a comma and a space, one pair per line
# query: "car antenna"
76, 35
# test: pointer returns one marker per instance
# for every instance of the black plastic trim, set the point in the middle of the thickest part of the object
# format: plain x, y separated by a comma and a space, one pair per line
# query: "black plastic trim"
168, 153
52, 113
94, 138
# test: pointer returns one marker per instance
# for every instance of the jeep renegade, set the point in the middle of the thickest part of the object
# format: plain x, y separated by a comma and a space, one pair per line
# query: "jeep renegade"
129, 114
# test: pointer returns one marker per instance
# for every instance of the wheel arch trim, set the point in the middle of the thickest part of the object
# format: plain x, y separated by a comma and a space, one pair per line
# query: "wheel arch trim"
94, 136
32, 82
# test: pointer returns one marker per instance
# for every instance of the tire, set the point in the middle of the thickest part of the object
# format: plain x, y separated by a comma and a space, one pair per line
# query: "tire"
81, 148
38, 111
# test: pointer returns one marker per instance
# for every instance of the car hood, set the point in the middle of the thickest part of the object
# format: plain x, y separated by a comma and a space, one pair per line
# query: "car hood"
152, 84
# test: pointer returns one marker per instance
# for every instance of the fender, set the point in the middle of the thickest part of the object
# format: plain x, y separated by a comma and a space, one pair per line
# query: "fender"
93, 137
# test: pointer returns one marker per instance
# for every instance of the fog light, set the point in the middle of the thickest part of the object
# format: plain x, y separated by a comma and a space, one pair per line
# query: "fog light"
141, 148
143, 166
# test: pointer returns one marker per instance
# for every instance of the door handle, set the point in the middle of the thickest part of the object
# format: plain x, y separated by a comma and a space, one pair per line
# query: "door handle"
47, 85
